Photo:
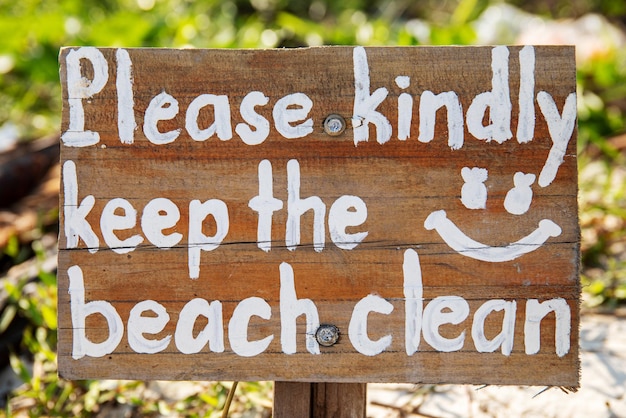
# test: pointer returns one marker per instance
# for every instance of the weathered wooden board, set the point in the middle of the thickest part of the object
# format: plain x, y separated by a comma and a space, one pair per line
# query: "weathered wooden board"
210, 224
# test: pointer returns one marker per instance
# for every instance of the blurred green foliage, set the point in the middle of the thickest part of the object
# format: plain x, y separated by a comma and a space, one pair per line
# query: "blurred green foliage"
32, 31
574, 8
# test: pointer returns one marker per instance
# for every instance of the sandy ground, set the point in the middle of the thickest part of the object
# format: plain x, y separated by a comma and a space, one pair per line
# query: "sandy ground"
602, 392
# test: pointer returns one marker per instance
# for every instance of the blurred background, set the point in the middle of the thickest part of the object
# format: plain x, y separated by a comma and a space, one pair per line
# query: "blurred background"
31, 33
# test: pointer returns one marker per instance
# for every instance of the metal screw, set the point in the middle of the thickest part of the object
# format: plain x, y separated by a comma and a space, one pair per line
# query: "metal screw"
327, 335
334, 125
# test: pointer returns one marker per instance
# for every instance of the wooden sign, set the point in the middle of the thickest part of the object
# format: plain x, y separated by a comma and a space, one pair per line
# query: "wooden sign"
338, 214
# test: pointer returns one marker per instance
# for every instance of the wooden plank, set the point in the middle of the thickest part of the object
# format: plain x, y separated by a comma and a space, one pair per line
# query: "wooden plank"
339, 400
424, 210
292, 399
319, 400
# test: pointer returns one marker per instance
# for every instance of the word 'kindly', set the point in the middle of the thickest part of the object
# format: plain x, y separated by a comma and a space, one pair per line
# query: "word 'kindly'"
150, 318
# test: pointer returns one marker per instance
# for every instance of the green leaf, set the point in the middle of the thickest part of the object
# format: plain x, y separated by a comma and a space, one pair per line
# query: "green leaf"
49, 279
13, 247
19, 368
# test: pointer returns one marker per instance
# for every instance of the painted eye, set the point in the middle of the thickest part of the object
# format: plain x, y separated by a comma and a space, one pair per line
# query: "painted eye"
519, 198
474, 192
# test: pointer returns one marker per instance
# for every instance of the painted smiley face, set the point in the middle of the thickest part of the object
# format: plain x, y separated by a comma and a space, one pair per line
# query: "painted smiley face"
518, 199
474, 196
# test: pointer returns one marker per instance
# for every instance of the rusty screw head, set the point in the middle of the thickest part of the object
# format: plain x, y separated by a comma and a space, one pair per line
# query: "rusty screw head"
334, 125
327, 335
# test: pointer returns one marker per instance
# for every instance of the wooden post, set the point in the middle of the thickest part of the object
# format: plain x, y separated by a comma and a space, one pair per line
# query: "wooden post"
292, 399
319, 400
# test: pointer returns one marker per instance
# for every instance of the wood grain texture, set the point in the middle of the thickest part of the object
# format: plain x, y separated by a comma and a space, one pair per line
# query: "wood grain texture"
292, 399
401, 183
319, 400
339, 400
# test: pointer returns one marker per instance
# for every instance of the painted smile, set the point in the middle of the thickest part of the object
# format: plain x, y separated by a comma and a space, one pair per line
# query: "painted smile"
464, 245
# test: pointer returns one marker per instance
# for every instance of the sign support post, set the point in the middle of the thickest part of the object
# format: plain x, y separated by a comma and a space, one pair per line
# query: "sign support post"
320, 400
